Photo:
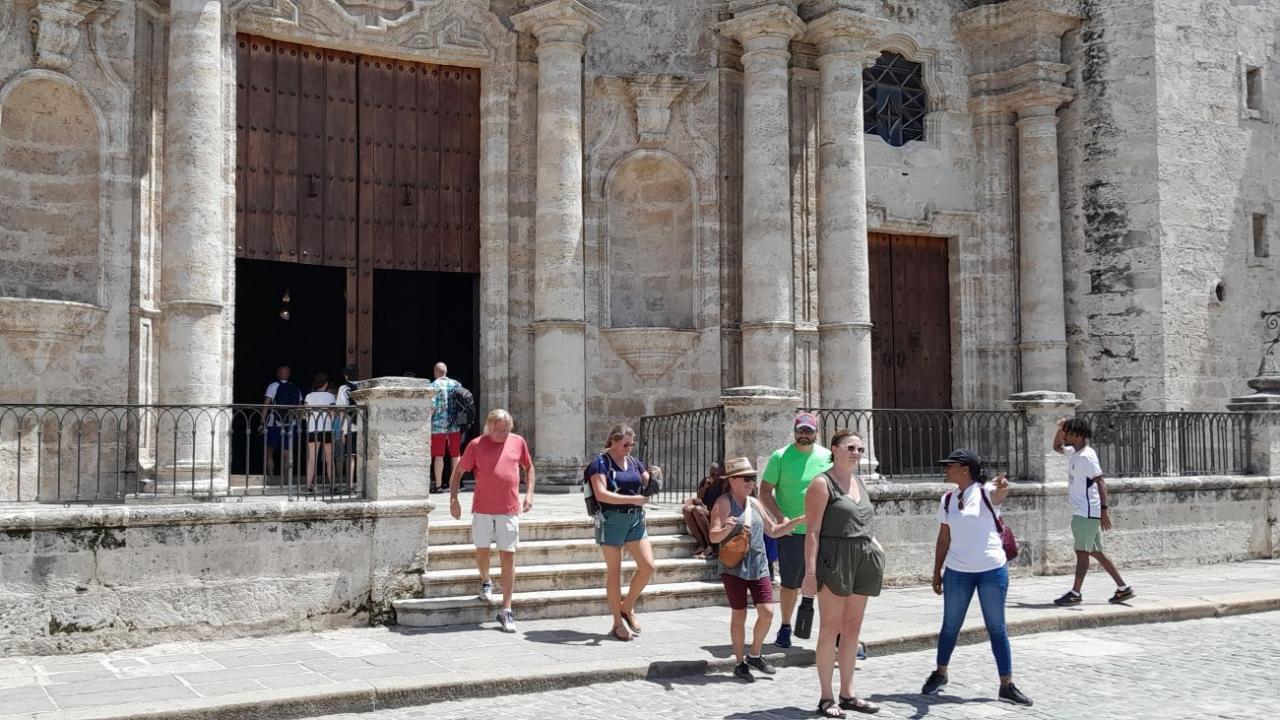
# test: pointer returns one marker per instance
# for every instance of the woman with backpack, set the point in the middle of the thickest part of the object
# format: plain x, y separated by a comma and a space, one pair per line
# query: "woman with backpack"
319, 430
618, 484
739, 525
844, 566
970, 556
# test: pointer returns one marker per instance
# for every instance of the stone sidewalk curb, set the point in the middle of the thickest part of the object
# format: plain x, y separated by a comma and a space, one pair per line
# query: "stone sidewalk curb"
367, 696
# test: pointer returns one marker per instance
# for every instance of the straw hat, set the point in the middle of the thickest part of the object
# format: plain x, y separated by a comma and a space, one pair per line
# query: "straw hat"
738, 467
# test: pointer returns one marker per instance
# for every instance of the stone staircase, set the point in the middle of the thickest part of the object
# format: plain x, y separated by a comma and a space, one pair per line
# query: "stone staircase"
559, 574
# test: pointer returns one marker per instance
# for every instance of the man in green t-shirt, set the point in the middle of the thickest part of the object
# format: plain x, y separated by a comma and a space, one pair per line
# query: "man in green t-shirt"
786, 478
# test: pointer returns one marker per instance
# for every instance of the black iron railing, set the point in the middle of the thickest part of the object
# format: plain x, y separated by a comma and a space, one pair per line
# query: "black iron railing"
907, 444
113, 453
684, 445
1170, 444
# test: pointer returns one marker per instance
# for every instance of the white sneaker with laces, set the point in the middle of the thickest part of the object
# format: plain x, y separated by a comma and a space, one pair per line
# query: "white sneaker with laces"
507, 620
486, 591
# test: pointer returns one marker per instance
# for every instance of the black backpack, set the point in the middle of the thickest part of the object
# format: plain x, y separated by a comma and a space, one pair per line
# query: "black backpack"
462, 407
588, 495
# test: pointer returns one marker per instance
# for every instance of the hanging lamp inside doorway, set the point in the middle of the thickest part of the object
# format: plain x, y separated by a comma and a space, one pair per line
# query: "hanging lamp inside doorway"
284, 305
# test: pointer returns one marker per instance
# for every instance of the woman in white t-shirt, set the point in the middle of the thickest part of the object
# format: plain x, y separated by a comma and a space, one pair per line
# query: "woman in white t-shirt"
970, 550
319, 429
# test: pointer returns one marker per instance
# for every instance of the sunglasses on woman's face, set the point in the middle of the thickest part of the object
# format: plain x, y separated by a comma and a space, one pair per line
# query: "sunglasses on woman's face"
627, 445
854, 448
747, 479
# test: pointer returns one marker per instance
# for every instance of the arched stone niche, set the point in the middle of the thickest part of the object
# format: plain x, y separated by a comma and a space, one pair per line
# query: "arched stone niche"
651, 240
50, 187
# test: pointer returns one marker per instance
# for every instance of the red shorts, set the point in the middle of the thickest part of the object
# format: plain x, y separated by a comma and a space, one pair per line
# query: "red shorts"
736, 589
450, 441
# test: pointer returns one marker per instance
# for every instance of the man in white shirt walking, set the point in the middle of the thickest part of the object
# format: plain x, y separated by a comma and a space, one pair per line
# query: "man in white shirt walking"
1088, 495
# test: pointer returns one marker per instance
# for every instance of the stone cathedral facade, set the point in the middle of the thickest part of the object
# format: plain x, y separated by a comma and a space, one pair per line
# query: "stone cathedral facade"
601, 209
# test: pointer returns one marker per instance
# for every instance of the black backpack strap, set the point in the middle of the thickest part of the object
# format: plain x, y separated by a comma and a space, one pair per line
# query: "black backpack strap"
994, 515
946, 503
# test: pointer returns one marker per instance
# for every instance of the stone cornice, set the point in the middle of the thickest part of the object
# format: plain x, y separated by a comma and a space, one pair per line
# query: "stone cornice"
987, 24
771, 27
845, 31
742, 7
559, 21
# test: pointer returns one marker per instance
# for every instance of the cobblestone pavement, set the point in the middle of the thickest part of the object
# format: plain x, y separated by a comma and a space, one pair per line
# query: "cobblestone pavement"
1195, 670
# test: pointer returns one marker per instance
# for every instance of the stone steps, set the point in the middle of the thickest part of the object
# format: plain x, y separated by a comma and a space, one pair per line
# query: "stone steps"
470, 610
573, 576
559, 574
553, 552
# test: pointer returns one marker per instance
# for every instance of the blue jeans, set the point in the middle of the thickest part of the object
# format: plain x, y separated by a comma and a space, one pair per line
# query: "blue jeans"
957, 594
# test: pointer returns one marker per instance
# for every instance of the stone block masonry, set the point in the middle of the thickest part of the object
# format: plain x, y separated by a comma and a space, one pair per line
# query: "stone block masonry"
92, 578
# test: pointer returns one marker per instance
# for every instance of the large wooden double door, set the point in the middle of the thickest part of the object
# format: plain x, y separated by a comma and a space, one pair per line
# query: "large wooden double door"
358, 162
911, 314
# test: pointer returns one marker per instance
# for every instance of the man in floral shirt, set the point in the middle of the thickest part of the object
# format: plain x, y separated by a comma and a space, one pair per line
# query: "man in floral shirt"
445, 437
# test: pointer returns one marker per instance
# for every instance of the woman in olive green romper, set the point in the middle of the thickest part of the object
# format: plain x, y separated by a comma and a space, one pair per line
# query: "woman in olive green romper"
844, 565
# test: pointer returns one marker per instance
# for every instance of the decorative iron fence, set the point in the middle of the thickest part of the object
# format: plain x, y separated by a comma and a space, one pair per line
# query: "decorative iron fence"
684, 445
1170, 444
114, 453
907, 444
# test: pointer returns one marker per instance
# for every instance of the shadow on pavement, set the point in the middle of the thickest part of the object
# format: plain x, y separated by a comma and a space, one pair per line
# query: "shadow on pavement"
780, 713
567, 637
922, 703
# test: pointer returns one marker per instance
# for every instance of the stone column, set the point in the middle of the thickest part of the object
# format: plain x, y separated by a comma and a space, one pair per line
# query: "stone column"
757, 421
399, 436
768, 354
559, 324
195, 248
1043, 410
844, 295
1043, 305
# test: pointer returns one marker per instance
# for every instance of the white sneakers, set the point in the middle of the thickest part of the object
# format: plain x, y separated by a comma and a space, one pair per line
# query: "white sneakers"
507, 620
486, 591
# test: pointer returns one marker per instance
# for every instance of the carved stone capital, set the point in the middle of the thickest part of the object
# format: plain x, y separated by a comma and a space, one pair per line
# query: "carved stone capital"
55, 26
845, 31
1034, 88
771, 27
653, 96
559, 21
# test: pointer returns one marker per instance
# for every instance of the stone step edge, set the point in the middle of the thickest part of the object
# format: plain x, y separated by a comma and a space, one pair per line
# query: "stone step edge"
553, 597
532, 545
360, 696
434, 576
584, 521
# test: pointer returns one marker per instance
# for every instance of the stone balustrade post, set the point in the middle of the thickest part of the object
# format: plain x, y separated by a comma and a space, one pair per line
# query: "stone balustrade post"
757, 421
1043, 410
398, 429
559, 321
768, 325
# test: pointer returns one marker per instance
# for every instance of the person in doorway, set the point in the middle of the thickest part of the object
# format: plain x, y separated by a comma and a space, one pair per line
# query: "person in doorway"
348, 424
445, 437
737, 512
1087, 492
618, 482
496, 458
969, 556
319, 430
281, 426
844, 566
697, 510
786, 478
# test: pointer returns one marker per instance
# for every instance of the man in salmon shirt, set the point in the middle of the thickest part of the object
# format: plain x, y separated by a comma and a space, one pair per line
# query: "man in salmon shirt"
496, 458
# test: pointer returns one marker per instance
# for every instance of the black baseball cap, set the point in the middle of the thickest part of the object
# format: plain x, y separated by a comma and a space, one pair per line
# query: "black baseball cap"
968, 458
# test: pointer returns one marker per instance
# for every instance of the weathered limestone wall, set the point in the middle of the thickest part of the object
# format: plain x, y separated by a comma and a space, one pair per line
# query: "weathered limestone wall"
1158, 521
67, 222
85, 579
1217, 168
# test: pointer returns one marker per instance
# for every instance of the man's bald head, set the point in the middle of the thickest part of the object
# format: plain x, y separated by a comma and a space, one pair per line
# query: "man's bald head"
441, 369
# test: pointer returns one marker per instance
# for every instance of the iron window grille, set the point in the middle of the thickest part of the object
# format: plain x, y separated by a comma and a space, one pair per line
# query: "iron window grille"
894, 101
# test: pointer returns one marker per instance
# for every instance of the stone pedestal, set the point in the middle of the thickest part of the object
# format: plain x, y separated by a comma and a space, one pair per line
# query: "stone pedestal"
1043, 410
768, 326
193, 259
1263, 407
757, 421
844, 295
399, 436
559, 322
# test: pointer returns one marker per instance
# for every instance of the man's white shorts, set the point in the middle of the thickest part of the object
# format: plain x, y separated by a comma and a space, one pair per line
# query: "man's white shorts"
504, 530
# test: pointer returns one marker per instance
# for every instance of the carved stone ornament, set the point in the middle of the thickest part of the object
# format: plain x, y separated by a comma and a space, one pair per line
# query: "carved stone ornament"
653, 95
650, 352
41, 331
55, 27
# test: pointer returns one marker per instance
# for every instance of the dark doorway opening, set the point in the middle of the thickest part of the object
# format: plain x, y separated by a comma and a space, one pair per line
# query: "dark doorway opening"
312, 340
421, 318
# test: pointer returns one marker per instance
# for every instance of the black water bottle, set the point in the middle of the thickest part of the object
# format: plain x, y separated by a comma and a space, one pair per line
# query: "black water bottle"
804, 619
